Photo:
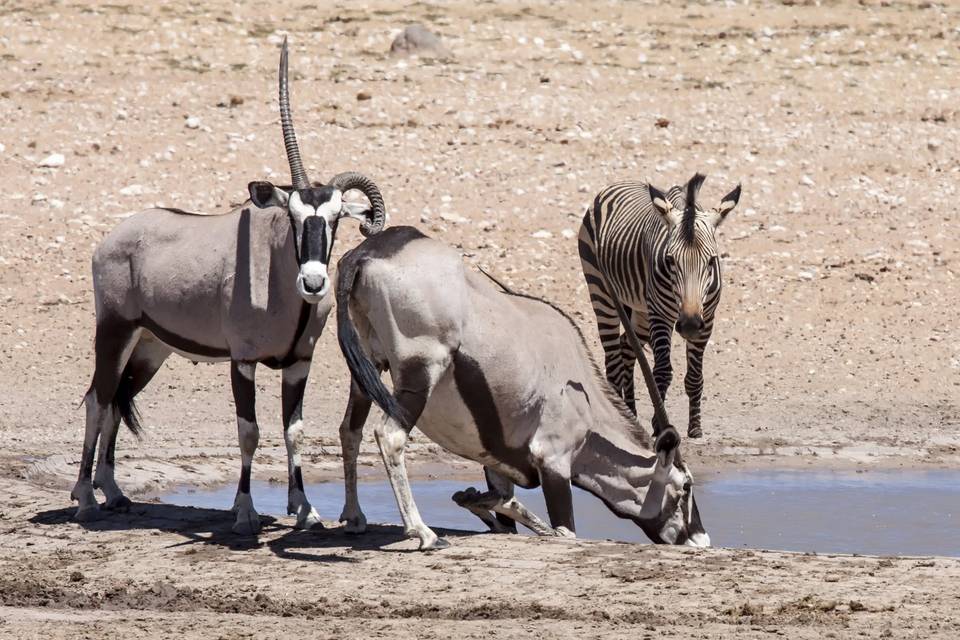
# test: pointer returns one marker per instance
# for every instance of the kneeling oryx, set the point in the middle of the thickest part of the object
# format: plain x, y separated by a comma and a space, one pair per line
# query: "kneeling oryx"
499, 378
247, 286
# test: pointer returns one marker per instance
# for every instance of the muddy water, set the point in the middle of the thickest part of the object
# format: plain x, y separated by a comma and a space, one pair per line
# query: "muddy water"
882, 513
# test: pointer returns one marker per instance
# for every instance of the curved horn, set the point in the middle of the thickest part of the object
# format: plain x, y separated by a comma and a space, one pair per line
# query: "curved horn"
377, 214
297, 173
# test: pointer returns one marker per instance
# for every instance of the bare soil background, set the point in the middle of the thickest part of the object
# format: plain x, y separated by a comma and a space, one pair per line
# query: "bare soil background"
836, 345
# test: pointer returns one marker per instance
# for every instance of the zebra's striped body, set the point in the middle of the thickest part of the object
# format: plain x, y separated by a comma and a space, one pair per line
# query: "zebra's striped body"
658, 254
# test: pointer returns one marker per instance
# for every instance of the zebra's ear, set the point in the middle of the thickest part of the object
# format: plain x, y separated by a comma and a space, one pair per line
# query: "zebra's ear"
662, 205
726, 205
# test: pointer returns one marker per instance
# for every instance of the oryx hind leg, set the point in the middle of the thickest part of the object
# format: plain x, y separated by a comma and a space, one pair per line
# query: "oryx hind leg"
145, 360
294, 385
413, 385
351, 436
113, 343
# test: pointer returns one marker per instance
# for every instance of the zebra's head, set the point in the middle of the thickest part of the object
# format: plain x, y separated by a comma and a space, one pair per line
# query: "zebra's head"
690, 256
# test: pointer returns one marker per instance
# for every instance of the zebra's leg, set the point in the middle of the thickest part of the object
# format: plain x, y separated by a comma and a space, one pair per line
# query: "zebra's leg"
693, 383
351, 436
294, 385
244, 397
661, 334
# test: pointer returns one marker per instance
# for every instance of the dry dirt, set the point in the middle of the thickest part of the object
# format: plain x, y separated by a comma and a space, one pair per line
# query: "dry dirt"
836, 345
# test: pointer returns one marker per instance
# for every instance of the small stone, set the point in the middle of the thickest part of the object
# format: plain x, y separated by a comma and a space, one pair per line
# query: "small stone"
662, 123
76, 576
542, 233
236, 101
568, 233
806, 181
417, 39
132, 190
363, 95
52, 161
192, 122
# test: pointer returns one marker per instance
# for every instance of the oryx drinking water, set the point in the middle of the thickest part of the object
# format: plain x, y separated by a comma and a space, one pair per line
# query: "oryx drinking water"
247, 286
501, 379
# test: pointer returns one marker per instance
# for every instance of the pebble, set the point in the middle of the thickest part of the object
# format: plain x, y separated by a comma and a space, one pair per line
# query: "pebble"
192, 122
53, 160
542, 233
132, 190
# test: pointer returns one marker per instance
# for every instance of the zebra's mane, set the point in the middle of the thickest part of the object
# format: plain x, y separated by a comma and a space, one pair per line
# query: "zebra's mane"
690, 207
640, 436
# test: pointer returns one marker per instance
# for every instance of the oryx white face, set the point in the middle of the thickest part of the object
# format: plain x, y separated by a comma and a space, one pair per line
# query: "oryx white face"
314, 214
668, 511
680, 523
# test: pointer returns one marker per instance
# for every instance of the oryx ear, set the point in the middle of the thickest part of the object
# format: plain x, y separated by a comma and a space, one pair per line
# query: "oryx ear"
727, 204
263, 195
355, 210
662, 205
666, 446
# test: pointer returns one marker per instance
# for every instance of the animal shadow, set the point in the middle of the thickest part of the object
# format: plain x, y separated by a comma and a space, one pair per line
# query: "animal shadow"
212, 527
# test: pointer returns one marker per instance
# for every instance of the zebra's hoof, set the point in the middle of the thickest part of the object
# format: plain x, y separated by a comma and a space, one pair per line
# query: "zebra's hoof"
695, 432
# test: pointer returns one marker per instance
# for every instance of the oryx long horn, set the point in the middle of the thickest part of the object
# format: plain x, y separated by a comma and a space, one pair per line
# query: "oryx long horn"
377, 217
297, 172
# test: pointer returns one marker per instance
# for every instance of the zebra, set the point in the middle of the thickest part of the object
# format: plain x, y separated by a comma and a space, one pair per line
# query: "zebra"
657, 252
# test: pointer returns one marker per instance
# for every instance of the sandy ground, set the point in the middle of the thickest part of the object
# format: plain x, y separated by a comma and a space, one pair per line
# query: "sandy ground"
836, 344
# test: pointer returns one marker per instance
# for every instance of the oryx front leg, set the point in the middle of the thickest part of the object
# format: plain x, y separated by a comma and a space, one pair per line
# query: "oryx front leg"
244, 396
351, 436
294, 384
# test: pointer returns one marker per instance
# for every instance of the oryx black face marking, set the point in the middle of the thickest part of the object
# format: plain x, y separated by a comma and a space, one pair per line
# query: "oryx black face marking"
314, 240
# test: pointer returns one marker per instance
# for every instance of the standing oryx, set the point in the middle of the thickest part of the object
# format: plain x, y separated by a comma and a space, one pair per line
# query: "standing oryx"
247, 286
658, 254
501, 379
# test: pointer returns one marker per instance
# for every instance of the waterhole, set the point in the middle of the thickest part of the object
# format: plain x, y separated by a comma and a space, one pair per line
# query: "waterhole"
877, 512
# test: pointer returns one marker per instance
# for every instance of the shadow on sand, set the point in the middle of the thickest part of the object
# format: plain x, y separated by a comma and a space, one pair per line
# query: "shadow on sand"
200, 526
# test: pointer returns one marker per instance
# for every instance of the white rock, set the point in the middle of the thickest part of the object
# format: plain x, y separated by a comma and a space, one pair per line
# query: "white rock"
806, 181
132, 190
542, 233
3, 147
806, 275
193, 122
568, 233
53, 160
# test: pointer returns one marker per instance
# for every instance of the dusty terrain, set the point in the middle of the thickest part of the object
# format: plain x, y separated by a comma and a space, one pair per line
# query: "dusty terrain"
837, 343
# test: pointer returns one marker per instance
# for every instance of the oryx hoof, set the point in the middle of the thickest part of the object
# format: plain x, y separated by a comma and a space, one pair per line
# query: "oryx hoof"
694, 431
247, 525
436, 545
467, 496
563, 532
89, 513
354, 525
309, 520
118, 504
